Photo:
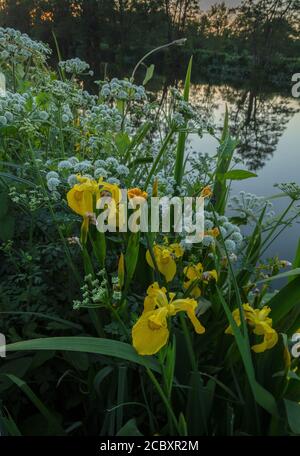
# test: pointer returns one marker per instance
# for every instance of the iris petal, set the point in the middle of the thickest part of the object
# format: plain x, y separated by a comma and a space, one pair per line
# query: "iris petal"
145, 339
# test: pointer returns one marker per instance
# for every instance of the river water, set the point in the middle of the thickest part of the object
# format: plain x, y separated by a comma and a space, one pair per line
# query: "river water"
268, 125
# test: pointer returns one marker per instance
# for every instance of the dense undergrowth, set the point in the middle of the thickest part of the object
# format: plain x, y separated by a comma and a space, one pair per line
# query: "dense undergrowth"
134, 333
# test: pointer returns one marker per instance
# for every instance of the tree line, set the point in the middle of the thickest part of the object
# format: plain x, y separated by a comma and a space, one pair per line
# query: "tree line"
120, 31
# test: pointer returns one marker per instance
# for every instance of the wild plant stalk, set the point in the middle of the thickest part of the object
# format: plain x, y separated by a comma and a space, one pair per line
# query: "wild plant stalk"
159, 156
179, 42
278, 223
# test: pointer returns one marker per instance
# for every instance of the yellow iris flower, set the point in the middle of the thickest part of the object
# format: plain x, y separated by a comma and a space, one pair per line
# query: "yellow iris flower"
165, 256
215, 232
82, 199
81, 196
206, 192
116, 213
137, 193
210, 275
177, 250
192, 273
260, 324
151, 332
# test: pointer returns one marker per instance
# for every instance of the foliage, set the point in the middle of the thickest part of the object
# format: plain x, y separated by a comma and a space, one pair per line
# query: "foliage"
188, 339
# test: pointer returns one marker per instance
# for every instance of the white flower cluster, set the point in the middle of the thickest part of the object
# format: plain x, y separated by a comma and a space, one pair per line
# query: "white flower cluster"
178, 119
66, 113
61, 101
95, 123
166, 185
25, 111
53, 181
12, 106
122, 90
250, 207
184, 113
17, 46
68, 92
102, 117
32, 199
230, 233
109, 169
75, 66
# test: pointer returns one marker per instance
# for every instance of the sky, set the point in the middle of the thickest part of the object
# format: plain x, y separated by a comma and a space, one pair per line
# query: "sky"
205, 4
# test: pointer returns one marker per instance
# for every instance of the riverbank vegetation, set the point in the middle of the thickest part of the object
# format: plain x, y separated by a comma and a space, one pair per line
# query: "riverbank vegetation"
134, 333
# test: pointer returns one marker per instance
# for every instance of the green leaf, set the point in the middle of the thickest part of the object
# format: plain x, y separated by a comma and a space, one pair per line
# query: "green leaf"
239, 220
285, 301
78, 360
94, 345
293, 415
252, 252
179, 167
238, 174
149, 74
182, 425
9, 130
142, 161
120, 104
131, 257
137, 140
99, 247
122, 393
3, 205
122, 141
129, 429
225, 154
44, 316
199, 404
296, 262
100, 376
283, 275
8, 425
17, 179
18, 367
7, 228
225, 132
161, 152
55, 427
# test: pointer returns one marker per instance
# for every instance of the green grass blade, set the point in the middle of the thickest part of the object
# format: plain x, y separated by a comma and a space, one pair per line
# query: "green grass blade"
51, 420
158, 157
122, 386
94, 345
179, 163
296, 262
46, 317
8, 425
283, 275
225, 154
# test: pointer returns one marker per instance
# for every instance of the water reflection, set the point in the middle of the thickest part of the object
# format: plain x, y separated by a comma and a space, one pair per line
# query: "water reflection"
268, 125
257, 118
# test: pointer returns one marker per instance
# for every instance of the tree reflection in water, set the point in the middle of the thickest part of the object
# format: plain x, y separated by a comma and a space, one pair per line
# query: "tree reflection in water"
257, 117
